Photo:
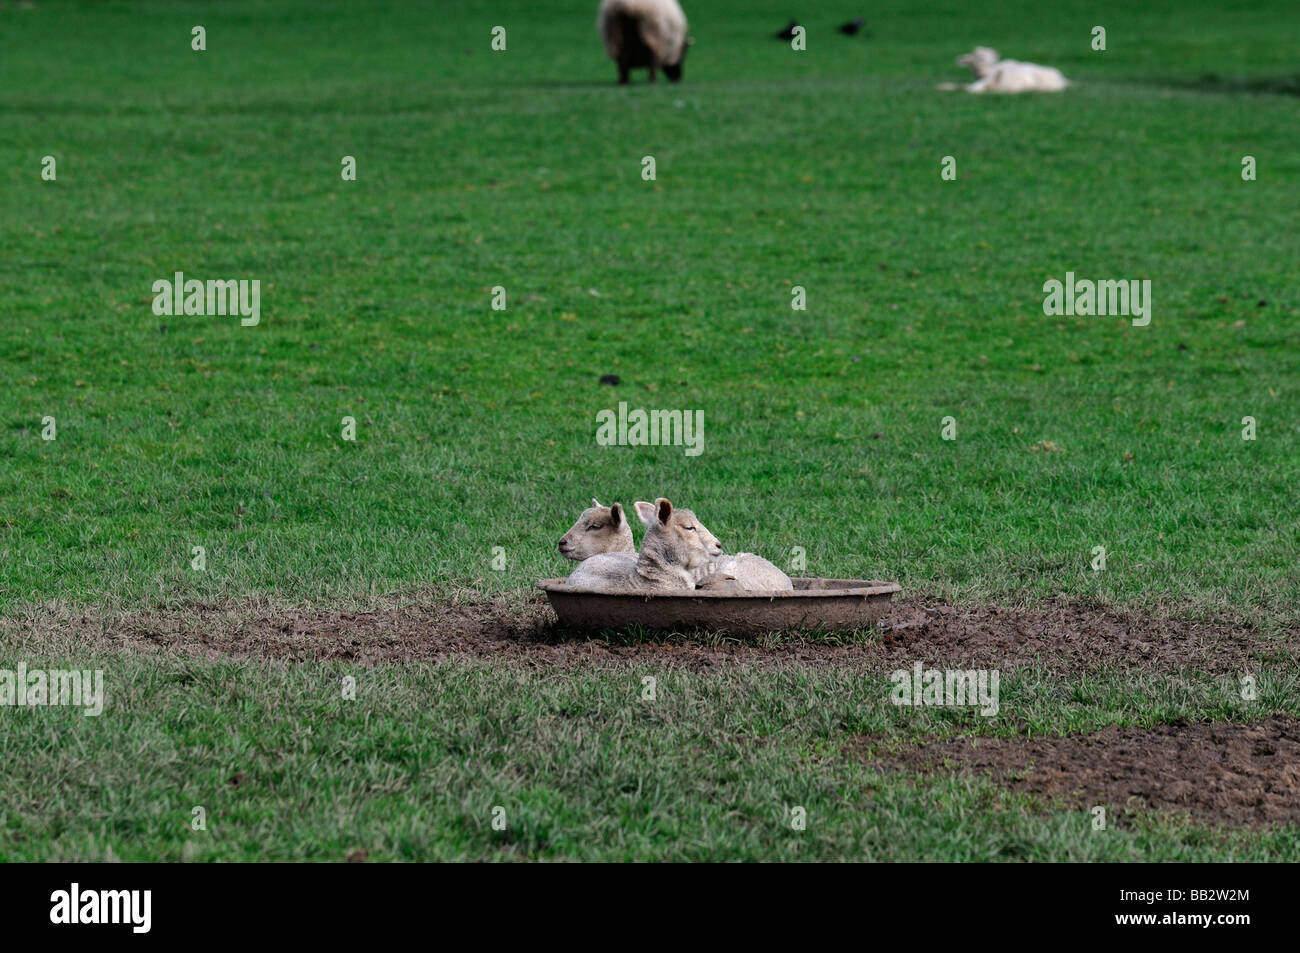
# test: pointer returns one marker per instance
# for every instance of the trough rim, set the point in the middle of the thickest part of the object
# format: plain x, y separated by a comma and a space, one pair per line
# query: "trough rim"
869, 587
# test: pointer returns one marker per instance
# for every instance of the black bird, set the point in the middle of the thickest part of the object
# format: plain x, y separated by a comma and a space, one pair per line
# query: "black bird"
852, 27
788, 32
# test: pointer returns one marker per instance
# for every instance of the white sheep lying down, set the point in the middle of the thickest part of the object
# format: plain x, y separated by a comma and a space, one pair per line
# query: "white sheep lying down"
746, 572
678, 552
993, 75
676, 547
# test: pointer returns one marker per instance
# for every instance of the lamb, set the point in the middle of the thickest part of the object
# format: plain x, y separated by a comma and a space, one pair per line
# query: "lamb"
675, 548
600, 529
746, 572
644, 33
1008, 76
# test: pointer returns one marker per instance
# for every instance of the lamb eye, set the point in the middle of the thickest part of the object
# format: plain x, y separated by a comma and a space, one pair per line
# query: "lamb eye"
691, 528
594, 526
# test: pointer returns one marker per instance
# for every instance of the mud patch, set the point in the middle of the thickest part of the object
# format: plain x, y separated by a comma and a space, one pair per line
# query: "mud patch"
1071, 638
1213, 772
1062, 638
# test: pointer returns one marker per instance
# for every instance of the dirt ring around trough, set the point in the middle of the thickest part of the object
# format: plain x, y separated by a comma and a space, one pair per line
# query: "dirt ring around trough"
1065, 638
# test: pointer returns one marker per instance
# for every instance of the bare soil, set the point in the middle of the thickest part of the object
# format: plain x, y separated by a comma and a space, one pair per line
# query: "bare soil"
1063, 638
1213, 772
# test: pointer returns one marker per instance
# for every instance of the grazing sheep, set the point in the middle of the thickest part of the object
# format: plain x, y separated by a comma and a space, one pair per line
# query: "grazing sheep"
1008, 76
745, 572
675, 547
644, 34
600, 529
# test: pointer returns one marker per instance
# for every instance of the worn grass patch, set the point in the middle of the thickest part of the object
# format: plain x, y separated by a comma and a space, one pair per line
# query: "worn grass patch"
584, 766
1059, 637
1211, 772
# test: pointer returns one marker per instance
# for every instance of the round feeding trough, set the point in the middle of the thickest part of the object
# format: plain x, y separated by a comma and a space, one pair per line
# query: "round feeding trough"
825, 604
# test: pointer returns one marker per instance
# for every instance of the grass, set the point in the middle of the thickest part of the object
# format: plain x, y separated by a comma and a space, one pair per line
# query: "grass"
475, 428
522, 169
286, 769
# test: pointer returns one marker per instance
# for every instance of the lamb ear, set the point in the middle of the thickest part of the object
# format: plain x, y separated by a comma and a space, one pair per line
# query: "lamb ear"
616, 513
595, 502
645, 510
665, 510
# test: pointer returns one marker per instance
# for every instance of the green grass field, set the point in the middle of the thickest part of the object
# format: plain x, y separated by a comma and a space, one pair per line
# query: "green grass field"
582, 768
475, 428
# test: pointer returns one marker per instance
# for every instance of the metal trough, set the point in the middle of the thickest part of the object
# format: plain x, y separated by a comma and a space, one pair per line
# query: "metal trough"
824, 604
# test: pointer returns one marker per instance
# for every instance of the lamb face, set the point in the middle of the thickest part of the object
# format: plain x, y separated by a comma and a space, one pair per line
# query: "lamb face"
980, 60
600, 529
676, 536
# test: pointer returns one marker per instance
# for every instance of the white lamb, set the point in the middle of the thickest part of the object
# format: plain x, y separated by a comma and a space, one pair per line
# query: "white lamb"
675, 548
600, 529
1008, 76
644, 34
746, 572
